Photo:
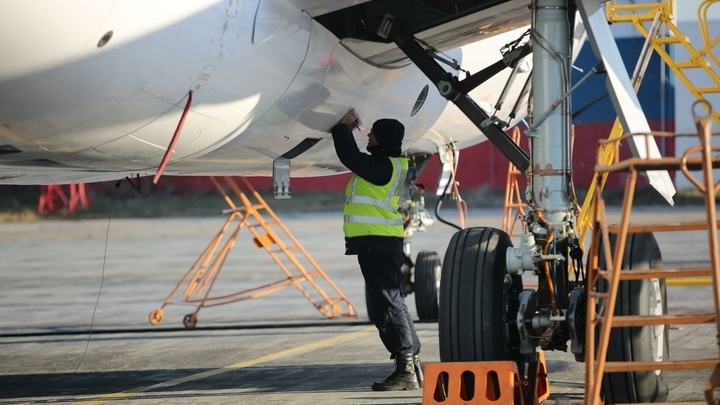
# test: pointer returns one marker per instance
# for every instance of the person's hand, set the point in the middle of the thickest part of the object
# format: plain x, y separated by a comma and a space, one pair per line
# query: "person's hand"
351, 119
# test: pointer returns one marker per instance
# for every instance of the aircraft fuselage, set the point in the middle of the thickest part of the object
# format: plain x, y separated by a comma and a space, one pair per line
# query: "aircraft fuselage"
93, 91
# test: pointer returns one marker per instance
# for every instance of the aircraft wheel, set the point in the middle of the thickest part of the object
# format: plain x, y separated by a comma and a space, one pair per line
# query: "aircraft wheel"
428, 269
156, 316
475, 293
649, 343
190, 320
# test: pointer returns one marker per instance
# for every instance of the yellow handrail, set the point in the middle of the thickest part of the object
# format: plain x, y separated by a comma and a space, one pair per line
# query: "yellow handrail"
703, 59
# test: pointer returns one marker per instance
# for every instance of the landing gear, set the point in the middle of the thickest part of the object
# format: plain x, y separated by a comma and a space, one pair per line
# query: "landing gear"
478, 298
427, 284
484, 314
649, 343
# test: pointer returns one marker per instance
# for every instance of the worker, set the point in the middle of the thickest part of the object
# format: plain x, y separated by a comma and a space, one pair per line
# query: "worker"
373, 230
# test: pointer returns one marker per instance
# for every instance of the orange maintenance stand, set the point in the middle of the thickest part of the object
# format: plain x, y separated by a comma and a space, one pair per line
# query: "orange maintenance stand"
299, 269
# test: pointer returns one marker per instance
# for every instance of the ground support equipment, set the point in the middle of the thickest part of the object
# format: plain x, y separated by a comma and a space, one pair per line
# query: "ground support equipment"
468, 383
282, 247
634, 258
656, 22
53, 198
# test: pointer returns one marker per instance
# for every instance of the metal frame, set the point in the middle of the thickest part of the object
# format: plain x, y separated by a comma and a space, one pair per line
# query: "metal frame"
457, 90
596, 352
622, 93
700, 59
203, 274
514, 206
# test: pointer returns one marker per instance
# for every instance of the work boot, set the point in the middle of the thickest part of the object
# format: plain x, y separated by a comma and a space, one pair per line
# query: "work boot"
418, 370
403, 378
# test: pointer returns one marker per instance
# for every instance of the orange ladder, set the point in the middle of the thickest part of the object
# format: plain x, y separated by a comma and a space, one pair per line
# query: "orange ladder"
203, 274
604, 296
513, 208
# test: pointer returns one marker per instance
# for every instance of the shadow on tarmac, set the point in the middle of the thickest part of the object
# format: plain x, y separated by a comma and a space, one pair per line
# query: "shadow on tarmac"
251, 381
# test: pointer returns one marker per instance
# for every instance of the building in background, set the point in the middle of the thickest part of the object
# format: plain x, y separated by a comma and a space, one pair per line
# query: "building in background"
656, 95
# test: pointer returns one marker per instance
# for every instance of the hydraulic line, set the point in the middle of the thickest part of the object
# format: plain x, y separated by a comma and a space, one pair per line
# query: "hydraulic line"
506, 89
523, 93
546, 266
173, 141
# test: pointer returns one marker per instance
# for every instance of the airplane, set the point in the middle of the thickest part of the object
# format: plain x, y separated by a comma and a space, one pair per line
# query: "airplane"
99, 90
95, 91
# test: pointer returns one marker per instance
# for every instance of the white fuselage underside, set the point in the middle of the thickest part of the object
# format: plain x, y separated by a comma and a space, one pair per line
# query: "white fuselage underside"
264, 75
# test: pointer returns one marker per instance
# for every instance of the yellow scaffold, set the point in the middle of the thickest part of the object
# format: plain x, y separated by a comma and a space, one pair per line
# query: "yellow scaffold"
700, 59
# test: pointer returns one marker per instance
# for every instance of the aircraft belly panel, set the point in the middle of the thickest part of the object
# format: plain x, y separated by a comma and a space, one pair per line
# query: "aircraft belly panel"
148, 144
134, 94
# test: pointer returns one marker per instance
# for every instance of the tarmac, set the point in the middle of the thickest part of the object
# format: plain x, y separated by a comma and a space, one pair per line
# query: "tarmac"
76, 295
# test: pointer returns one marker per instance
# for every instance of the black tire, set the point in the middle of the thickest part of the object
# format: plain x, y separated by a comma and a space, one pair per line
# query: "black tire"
474, 294
636, 344
428, 269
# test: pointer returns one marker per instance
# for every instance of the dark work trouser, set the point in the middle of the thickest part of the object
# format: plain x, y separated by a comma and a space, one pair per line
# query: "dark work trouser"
383, 274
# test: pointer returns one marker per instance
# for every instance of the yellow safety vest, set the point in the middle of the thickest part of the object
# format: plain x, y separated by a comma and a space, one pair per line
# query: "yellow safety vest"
373, 210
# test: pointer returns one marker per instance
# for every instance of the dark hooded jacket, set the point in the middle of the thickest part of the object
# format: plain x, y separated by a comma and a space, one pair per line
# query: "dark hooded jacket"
375, 168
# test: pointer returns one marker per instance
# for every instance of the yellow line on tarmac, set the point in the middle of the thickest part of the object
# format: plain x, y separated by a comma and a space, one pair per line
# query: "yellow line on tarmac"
689, 281
243, 364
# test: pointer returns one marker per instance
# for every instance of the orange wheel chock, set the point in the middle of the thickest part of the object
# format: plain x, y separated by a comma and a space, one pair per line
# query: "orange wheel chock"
497, 382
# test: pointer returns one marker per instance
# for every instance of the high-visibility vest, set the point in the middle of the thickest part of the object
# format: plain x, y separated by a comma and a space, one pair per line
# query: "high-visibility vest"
373, 210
